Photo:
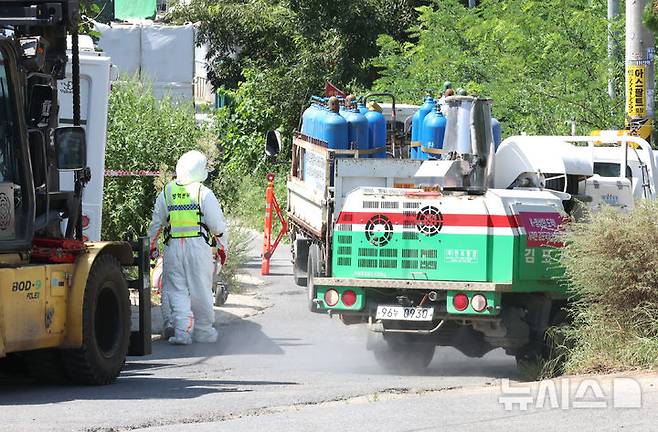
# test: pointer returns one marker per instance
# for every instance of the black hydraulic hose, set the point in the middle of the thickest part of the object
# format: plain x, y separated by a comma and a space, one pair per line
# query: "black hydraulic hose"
75, 72
75, 80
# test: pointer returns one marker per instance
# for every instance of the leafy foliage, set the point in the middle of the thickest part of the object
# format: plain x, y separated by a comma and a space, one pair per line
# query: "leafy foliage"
544, 62
270, 56
650, 15
143, 134
338, 36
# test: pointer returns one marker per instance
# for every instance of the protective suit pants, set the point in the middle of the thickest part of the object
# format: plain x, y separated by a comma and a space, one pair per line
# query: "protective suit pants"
187, 279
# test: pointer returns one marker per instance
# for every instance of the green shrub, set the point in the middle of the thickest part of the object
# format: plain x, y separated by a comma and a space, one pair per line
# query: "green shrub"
611, 267
143, 134
249, 206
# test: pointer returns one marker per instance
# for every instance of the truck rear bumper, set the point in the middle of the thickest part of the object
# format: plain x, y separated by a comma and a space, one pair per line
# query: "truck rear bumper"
412, 284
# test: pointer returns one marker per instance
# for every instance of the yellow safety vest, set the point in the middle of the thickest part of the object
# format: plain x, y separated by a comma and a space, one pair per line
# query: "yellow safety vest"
184, 212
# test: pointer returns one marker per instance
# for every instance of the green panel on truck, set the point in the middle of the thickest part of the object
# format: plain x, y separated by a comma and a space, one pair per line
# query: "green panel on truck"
449, 257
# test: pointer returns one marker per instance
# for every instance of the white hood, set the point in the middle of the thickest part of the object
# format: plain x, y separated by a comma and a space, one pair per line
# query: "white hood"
191, 168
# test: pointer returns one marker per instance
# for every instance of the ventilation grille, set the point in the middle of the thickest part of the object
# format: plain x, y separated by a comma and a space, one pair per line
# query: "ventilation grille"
344, 239
428, 253
410, 236
409, 264
409, 253
367, 252
370, 204
429, 221
379, 230
409, 219
370, 255
390, 204
368, 263
344, 261
344, 250
388, 253
344, 227
411, 205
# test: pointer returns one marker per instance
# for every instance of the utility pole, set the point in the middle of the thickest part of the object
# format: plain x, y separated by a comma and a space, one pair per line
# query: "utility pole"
640, 49
613, 14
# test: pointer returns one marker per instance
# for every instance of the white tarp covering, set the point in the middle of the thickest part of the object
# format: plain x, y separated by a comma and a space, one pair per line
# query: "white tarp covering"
161, 55
168, 53
122, 43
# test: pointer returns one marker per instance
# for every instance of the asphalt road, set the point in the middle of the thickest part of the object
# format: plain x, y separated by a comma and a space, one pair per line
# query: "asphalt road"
289, 370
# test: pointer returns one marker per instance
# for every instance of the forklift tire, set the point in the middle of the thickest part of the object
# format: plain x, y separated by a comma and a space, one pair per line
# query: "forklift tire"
45, 366
13, 365
313, 272
105, 326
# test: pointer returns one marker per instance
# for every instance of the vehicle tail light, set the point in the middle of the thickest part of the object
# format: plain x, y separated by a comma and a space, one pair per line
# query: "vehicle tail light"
349, 298
460, 301
479, 303
331, 297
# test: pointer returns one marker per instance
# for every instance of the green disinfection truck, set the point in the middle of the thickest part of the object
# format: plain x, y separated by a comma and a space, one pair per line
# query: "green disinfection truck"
425, 252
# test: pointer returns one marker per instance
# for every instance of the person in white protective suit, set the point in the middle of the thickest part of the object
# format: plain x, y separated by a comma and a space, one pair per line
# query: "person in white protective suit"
190, 216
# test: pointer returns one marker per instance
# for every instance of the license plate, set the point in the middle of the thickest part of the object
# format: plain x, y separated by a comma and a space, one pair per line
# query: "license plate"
401, 313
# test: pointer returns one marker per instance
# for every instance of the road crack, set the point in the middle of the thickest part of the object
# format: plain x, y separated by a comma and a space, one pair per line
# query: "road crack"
386, 394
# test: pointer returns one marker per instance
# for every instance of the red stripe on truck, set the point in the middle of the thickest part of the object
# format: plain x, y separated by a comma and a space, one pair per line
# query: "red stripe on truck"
463, 220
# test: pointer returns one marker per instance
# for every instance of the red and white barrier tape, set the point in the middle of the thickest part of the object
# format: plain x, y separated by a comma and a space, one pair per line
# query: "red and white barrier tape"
132, 173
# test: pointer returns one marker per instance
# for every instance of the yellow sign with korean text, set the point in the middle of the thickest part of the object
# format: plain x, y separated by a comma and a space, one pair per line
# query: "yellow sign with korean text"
636, 91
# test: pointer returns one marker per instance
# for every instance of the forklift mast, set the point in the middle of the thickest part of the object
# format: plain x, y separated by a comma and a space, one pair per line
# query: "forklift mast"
49, 19
37, 30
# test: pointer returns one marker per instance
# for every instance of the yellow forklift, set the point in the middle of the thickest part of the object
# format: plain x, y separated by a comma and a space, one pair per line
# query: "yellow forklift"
65, 304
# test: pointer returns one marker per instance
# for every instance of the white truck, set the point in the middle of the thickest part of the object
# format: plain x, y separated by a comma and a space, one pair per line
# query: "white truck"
598, 170
96, 74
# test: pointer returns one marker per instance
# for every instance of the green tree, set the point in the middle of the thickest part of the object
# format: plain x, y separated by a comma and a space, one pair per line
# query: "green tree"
270, 56
544, 62
339, 35
650, 15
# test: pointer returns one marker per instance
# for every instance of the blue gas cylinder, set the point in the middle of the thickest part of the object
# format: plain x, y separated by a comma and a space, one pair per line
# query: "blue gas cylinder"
497, 132
357, 129
362, 108
319, 130
310, 120
306, 119
334, 130
417, 126
376, 132
434, 130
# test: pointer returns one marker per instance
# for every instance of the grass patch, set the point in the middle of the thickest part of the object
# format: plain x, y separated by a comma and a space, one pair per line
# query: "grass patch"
239, 246
249, 207
611, 264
